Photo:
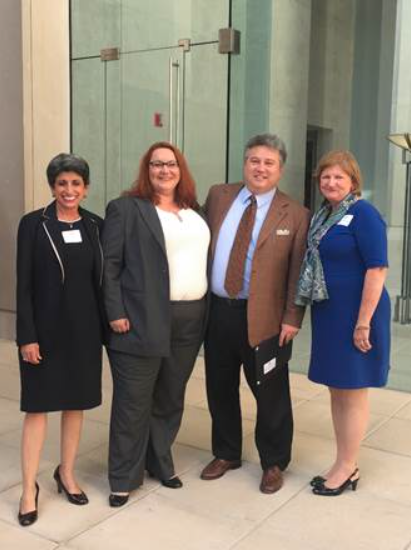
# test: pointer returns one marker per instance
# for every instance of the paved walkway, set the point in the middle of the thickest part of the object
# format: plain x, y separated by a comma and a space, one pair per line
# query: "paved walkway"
229, 513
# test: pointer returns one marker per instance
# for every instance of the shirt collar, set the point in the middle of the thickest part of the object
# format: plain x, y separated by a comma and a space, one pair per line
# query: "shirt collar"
262, 199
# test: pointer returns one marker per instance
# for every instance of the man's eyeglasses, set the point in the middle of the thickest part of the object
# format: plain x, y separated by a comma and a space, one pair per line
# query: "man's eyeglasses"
159, 164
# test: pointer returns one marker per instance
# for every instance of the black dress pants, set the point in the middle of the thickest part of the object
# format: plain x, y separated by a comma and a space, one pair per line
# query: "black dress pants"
226, 349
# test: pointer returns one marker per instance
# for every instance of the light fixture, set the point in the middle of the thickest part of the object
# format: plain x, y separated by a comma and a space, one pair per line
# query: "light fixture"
401, 140
402, 313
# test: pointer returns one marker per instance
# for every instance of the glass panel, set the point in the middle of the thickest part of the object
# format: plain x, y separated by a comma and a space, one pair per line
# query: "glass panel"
205, 116
132, 109
88, 125
112, 157
161, 23
95, 24
199, 109
145, 98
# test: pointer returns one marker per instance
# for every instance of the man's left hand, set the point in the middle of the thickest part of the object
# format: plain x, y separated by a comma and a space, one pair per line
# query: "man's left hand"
288, 332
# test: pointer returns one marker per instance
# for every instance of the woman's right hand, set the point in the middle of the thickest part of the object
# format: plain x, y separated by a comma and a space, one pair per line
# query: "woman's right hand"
30, 353
362, 338
120, 325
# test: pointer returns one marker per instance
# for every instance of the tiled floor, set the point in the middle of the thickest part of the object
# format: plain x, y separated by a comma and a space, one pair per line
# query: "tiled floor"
229, 513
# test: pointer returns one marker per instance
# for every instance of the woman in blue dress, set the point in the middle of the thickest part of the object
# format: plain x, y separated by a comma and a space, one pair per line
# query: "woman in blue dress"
342, 278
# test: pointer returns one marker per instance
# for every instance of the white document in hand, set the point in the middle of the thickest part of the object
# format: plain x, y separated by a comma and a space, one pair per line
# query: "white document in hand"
270, 365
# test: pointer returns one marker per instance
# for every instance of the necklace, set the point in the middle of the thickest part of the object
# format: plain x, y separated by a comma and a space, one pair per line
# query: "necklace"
70, 222
178, 216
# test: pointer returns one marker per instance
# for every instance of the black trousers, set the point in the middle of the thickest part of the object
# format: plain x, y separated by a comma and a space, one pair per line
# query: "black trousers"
148, 401
226, 349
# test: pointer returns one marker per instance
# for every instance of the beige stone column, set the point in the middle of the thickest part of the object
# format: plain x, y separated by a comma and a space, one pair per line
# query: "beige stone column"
46, 89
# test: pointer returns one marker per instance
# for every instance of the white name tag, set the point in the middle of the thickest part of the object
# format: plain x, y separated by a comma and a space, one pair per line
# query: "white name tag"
270, 365
346, 220
283, 231
72, 236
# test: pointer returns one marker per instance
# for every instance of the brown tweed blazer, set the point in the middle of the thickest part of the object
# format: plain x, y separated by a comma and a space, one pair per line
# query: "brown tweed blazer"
276, 262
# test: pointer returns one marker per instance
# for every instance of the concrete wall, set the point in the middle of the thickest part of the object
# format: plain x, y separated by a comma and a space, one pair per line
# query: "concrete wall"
372, 95
381, 184
250, 79
11, 156
290, 39
331, 70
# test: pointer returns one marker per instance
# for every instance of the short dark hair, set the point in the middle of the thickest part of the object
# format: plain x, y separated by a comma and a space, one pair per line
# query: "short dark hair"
272, 141
66, 162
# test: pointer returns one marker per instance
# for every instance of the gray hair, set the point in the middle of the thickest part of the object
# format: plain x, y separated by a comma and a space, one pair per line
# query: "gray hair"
272, 141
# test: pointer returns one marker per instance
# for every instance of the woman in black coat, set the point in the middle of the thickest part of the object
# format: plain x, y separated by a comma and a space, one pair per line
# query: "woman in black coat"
60, 324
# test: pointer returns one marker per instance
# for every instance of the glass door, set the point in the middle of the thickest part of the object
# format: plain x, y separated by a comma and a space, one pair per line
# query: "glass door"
150, 97
164, 81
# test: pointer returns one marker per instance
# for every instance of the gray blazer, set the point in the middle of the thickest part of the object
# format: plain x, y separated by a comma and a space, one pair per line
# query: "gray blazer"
136, 277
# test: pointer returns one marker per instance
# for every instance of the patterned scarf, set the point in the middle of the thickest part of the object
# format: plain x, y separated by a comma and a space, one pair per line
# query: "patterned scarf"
311, 285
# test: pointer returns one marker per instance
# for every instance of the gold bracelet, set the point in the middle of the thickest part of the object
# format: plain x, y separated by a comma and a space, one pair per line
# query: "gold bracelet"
362, 327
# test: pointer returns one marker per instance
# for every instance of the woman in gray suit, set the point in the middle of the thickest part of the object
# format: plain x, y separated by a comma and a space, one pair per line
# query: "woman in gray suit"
155, 247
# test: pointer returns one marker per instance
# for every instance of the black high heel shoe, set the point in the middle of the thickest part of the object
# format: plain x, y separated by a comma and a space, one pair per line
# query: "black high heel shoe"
75, 498
30, 517
325, 491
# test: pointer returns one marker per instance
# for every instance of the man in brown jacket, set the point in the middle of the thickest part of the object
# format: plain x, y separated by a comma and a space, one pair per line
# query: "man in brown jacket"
258, 243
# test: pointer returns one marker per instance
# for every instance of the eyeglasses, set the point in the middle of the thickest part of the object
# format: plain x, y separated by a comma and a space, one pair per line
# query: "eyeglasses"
159, 164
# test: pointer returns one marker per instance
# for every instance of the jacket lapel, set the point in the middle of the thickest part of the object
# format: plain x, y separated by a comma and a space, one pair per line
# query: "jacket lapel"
149, 214
276, 213
53, 233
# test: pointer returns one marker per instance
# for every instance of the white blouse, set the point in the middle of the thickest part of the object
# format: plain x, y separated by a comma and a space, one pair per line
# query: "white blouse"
187, 238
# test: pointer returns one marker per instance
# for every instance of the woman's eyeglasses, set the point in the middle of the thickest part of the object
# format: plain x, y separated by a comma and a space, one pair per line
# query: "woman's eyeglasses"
159, 164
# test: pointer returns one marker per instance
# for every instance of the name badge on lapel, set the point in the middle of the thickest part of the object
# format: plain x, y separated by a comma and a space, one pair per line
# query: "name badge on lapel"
283, 232
72, 236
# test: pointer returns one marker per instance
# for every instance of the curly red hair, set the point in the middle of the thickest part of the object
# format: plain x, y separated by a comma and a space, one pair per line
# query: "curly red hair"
185, 192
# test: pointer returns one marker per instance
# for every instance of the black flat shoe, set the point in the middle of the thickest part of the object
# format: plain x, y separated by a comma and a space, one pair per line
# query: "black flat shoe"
172, 483
116, 501
30, 517
75, 498
317, 480
349, 483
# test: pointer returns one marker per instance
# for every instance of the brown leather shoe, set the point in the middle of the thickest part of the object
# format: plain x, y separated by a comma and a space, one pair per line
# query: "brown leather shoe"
218, 467
272, 480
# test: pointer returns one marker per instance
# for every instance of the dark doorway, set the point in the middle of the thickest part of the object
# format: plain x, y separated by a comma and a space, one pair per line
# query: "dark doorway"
311, 159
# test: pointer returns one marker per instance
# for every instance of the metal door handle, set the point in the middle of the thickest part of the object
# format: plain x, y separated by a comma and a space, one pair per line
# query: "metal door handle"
173, 135
170, 99
176, 64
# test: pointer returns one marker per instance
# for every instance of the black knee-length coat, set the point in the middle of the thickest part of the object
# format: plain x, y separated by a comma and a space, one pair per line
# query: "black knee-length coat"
68, 324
